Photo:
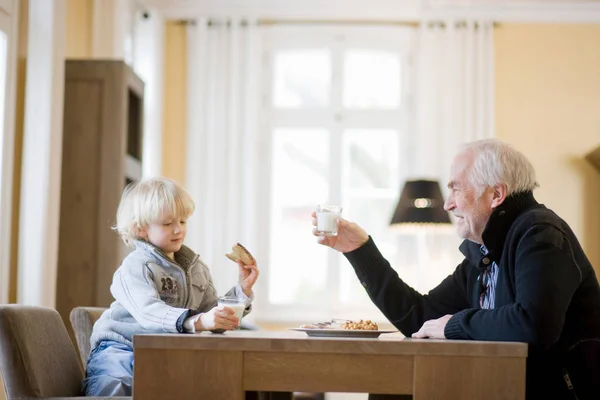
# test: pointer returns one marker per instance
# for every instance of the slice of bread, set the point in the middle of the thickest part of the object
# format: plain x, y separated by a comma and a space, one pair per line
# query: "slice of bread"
239, 252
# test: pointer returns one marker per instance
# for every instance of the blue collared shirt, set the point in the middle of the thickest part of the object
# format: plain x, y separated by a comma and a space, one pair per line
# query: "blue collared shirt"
490, 277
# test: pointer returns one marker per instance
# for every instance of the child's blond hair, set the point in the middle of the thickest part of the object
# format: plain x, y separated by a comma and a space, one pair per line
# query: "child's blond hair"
147, 201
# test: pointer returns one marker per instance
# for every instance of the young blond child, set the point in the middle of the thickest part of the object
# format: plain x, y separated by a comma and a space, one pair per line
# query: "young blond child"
161, 286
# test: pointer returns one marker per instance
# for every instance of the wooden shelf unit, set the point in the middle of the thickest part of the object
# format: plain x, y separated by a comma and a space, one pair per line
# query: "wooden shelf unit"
102, 152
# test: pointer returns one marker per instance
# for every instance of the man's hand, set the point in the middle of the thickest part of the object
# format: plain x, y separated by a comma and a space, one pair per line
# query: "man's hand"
218, 317
433, 329
350, 236
248, 277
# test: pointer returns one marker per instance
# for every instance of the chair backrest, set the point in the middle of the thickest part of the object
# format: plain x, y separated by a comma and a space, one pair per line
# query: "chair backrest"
82, 321
37, 358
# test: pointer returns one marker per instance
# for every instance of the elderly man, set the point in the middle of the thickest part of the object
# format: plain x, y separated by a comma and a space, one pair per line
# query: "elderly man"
524, 277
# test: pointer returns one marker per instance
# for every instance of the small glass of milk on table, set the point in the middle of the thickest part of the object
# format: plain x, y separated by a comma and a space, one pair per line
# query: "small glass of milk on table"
237, 304
327, 217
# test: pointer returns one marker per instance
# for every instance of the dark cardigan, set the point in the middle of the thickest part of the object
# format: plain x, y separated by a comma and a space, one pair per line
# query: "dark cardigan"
547, 295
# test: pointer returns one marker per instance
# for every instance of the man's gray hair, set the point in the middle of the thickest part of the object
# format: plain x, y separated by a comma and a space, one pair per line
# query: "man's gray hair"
495, 162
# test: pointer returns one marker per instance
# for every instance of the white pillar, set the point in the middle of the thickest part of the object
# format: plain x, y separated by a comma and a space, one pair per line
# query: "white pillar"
121, 31
148, 63
112, 23
42, 152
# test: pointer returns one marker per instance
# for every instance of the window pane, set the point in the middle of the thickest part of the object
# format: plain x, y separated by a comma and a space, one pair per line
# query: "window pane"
371, 183
298, 265
423, 258
371, 79
374, 216
372, 158
302, 78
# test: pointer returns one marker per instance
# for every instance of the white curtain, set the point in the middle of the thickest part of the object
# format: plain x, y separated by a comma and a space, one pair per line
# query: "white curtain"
454, 104
222, 162
454, 91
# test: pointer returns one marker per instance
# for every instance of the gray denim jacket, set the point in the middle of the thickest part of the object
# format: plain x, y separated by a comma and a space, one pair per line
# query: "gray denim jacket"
151, 292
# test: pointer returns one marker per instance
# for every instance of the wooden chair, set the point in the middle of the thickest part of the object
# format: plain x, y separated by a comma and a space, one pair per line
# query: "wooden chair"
82, 321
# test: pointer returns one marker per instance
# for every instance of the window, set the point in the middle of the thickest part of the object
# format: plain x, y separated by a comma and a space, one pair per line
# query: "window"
336, 115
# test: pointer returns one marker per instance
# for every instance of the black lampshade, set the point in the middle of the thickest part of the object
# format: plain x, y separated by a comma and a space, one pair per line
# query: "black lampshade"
421, 202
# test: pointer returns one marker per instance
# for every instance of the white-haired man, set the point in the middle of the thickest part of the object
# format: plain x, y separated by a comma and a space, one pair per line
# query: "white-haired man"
524, 277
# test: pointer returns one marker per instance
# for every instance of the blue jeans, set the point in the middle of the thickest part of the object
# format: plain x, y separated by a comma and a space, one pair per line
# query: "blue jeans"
109, 370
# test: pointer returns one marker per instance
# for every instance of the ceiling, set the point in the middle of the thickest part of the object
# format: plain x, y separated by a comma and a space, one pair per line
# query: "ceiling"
499, 10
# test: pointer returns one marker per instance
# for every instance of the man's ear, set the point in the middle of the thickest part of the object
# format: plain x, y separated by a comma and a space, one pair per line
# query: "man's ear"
499, 194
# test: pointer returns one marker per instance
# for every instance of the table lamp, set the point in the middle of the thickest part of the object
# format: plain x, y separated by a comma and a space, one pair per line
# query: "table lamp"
420, 202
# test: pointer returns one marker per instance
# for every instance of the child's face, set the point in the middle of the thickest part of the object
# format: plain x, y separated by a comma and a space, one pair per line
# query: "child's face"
167, 233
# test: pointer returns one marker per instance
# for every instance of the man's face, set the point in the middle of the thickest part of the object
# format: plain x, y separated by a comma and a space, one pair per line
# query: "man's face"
471, 209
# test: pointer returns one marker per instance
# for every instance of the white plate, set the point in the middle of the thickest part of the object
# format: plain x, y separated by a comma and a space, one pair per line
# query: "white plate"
340, 332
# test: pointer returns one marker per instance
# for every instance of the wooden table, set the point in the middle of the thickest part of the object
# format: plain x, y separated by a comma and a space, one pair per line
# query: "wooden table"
222, 367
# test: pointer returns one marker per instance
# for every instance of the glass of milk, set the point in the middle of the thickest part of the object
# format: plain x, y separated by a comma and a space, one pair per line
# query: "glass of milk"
327, 216
237, 304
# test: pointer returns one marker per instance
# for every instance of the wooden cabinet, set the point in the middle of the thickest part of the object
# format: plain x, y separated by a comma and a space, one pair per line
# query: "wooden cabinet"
102, 151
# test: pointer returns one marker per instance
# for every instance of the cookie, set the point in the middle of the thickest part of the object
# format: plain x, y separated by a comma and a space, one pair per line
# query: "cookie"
239, 252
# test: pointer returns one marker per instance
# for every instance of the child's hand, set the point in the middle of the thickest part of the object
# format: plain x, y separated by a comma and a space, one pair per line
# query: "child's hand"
248, 277
218, 318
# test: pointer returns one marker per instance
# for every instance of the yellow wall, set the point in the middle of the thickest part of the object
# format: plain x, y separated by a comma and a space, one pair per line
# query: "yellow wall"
548, 106
79, 28
174, 113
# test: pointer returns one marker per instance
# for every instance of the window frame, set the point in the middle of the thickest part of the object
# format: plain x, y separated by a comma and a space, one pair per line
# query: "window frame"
336, 120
